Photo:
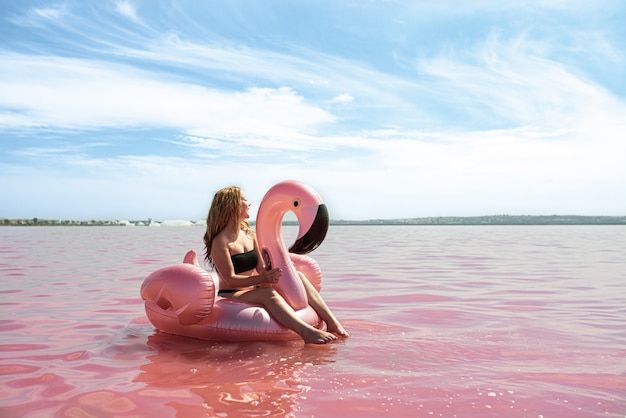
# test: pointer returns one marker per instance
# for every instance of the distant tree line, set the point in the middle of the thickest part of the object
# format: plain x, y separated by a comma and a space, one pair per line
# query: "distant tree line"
55, 222
435, 220
496, 220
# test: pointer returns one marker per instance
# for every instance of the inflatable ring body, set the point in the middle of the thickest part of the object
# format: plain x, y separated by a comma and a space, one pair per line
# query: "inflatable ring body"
182, 299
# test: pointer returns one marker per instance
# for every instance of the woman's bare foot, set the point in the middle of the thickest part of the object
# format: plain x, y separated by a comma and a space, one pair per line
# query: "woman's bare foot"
337, 329
317, 336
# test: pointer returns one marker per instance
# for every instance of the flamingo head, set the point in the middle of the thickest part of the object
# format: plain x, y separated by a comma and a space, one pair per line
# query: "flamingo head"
313, 232
308, 207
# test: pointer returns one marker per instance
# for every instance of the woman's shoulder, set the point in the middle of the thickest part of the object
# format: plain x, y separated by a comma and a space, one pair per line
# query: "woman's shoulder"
251, 233
221, 238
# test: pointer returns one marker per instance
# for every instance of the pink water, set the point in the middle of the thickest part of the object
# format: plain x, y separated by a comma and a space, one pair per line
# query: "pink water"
445, 322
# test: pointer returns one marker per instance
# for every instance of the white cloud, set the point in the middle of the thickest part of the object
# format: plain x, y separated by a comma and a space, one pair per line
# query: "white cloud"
127, 9
371, 175
512, 83
319, 75
38, 16
50, 12
81, 94
341, 99
517, 6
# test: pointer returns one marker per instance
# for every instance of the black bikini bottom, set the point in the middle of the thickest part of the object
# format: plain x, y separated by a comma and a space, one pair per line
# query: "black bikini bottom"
223, 292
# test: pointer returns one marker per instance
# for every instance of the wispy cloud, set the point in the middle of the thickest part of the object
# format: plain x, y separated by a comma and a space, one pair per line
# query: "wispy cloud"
512, 83
127, 9
50, 12
38, 16
93, 94
342, 99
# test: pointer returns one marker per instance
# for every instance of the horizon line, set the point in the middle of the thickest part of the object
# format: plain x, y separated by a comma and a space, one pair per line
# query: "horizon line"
498, 219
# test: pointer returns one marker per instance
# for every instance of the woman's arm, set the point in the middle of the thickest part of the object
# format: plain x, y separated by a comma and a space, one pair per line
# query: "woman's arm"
261, 263
221, 259
261, 267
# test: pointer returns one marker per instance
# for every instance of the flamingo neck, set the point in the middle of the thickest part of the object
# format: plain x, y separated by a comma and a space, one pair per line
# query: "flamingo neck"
269, 231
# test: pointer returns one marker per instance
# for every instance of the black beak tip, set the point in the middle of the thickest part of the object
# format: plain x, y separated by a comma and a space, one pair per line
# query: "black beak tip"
315, 235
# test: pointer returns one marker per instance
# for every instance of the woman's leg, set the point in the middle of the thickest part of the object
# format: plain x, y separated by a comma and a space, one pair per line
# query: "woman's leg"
319, 305
284, 314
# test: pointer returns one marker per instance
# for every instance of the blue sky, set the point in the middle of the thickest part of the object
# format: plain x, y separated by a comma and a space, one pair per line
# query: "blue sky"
389, 109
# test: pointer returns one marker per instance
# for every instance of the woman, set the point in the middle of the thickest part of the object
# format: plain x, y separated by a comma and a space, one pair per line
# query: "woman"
232, 248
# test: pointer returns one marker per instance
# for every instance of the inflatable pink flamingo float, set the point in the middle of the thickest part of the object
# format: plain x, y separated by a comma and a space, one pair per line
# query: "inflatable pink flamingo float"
182, 299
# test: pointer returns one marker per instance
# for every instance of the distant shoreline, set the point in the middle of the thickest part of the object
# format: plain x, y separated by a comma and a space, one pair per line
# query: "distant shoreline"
435, 220
496, 220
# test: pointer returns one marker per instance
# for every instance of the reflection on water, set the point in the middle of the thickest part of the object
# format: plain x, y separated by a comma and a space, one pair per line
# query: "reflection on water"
445, 321
230, 379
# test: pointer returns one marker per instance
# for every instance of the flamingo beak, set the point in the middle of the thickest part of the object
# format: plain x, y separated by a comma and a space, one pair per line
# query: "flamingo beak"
315, 234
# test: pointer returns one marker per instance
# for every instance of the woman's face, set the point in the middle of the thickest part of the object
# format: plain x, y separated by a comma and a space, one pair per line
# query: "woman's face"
245, 207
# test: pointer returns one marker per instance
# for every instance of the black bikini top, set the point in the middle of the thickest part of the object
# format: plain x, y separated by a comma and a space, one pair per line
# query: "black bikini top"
244, 261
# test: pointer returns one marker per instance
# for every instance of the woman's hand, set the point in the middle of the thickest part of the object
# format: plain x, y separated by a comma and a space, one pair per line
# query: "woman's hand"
271, 276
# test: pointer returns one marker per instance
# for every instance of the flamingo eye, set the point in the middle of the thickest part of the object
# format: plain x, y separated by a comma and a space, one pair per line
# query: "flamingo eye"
296, 203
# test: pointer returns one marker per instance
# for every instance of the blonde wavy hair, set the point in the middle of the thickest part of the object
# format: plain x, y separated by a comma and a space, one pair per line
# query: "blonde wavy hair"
226, 205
